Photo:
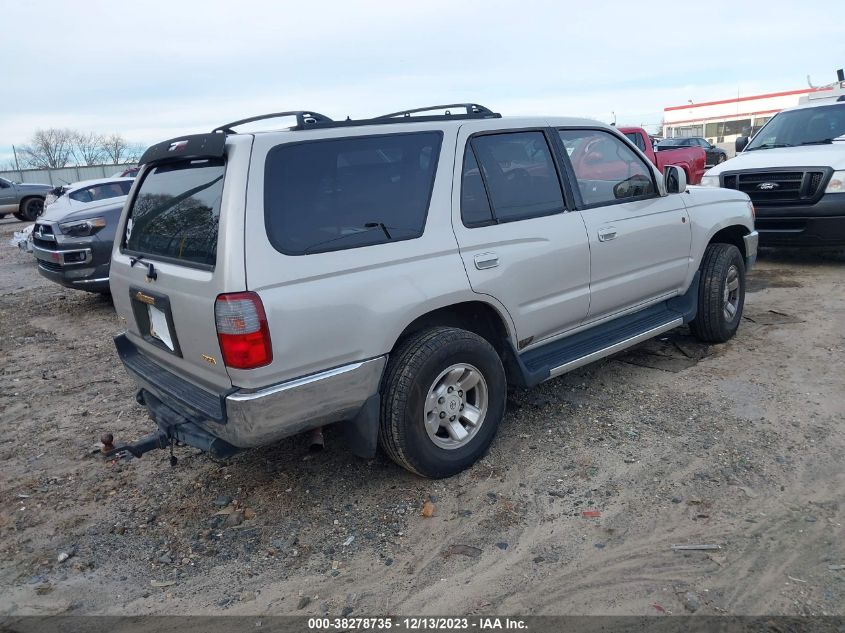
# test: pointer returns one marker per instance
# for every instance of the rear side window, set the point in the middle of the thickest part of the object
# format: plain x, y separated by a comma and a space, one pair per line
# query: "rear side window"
519, 175
176, 212
100, 192
331, 195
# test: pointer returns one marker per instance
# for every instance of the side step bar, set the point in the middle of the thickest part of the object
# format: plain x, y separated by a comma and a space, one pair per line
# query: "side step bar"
563, 355
615, 347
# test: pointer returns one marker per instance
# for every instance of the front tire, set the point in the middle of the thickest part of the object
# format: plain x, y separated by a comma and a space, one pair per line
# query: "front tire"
31, 208
442, 402
721, 294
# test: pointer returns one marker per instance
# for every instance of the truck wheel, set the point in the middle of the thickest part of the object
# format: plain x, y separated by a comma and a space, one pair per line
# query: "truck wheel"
721, 294
2, 215
31, 208
442, 401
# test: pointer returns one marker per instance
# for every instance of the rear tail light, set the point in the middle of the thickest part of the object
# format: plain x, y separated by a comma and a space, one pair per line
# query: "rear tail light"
242, 330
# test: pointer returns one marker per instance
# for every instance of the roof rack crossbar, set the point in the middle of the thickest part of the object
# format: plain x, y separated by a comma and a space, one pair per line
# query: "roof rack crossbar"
470, 109
304, 119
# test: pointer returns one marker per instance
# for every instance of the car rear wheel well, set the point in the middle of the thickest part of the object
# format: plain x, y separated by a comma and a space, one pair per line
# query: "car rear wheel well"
732, 235
474, 316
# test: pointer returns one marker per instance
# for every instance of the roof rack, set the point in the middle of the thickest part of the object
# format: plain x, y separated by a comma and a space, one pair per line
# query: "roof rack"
308, 119
471, 111
304, 119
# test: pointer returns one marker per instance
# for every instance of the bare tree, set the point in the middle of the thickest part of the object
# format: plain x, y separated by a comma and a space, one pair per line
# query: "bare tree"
49, 149
88, 148
118, 150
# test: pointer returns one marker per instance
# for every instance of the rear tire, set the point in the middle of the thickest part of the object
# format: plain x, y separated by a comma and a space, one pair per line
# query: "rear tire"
429, 423
31, 208
721, 294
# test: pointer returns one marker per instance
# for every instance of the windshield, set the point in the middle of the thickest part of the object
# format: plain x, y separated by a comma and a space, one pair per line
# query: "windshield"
807, 126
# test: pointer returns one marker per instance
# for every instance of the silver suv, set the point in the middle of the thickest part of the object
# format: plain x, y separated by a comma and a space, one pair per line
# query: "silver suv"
395, 275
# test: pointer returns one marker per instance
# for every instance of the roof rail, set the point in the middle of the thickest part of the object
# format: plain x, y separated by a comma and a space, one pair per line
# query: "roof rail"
304, 119
471, 111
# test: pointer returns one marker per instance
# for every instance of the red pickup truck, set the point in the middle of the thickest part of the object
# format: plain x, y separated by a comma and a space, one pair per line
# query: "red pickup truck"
690, 159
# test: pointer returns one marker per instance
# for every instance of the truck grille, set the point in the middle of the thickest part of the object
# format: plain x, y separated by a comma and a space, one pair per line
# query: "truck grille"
42, 235
776, 187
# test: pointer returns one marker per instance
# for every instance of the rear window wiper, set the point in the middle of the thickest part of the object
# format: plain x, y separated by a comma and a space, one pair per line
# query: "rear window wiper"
769, 146
366, 228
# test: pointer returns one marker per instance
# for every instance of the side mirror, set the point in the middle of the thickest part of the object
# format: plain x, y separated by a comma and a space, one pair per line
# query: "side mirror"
675, 179
741, 143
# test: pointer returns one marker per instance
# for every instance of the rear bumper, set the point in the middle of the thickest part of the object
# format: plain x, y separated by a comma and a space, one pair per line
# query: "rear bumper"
247, 419
821, 224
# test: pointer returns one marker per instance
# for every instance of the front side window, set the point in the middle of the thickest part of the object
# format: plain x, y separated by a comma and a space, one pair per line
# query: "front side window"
518, 173
351, 192
176, 212
607, 169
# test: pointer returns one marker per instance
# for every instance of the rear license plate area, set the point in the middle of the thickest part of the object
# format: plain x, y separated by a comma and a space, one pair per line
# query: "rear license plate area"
154, 319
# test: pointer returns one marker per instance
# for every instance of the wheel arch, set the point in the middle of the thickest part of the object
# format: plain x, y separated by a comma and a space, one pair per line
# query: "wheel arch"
732, 234
479, 317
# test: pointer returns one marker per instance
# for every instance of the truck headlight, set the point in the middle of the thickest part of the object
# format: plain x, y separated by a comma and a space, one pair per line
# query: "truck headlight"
837, 183
709, 181
83, 228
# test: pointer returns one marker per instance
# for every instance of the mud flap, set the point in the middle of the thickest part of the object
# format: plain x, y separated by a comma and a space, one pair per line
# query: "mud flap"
360, 434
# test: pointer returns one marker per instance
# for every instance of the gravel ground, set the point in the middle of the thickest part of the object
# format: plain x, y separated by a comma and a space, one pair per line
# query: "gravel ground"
737, 445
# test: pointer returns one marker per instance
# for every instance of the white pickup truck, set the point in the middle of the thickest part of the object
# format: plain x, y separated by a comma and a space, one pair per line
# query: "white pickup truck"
794, 172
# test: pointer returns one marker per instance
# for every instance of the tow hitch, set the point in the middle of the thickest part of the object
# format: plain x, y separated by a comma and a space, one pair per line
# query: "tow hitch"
173, 428
146, 444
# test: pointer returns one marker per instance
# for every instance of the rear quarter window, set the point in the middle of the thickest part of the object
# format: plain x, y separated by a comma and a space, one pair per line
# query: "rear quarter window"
176, 213
337, 194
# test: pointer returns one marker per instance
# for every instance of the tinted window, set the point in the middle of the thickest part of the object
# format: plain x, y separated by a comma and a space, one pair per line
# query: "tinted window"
607, 169
347, 193
636, 139
475, 207
100, 192
176, 212
520, 175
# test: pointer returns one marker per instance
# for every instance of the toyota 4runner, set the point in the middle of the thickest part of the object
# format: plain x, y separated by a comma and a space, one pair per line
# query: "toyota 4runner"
395, 275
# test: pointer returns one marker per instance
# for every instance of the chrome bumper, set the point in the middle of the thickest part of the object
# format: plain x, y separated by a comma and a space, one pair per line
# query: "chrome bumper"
80, 256
256, 418
751, 242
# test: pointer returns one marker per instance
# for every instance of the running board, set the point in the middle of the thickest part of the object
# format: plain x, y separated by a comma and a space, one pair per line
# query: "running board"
616, 347
563, 355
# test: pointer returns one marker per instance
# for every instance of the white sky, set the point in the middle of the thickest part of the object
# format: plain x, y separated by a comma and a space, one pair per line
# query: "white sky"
153, 70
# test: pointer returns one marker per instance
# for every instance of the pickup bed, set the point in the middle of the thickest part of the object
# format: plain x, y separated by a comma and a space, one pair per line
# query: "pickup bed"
690, 159
25, 201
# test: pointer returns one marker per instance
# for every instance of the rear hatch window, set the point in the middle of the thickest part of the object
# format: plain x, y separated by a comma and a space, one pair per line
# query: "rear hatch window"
176, 212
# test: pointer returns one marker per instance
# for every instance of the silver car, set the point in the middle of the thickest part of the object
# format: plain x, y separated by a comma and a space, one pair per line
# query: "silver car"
394, 275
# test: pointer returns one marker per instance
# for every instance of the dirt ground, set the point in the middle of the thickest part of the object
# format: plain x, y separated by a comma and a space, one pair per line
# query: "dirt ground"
674, 443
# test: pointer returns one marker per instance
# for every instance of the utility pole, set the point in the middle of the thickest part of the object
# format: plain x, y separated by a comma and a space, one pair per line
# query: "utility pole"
15, 152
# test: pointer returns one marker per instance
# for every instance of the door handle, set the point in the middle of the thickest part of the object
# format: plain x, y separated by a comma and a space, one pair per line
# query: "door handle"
606, 234
486, 260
